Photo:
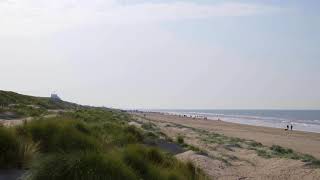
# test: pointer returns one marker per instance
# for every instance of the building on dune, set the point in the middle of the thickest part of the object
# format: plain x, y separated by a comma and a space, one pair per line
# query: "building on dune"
55, 97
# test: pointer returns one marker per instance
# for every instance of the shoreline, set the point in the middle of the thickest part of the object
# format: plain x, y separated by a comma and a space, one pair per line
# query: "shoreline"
301, 141
251, 122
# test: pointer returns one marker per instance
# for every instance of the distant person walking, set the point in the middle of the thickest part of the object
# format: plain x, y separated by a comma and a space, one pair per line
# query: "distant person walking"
287, 127
291, 127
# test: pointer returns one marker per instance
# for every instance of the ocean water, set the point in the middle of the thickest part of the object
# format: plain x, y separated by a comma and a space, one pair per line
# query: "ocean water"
303, 120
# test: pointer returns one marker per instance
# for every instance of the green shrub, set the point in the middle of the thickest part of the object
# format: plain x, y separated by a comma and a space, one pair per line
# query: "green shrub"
151, 135
255, 144
55, 135
135, 132
155, 156
127, 135
280, 150
311, 161
315, 163
308, 158
98, 115
28, 150
148, 126
263, 153
9, 148
80, 166
26, 111
134, 157
180, 139
150, 163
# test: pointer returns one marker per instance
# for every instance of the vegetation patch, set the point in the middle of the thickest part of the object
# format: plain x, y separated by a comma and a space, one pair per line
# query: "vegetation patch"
230, 143
15, 151
180, 139
149, 126
9, 149
89, 143
80, 165
263, 153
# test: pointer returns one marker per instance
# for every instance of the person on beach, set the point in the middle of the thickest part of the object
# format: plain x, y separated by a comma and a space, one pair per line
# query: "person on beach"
291, 127
287, 128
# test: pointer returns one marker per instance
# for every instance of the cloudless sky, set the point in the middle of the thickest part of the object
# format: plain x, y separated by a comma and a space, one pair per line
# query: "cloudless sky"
230, 54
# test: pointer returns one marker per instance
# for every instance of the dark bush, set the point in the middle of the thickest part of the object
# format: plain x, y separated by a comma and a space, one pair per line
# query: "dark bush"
15, 152
148, 126
55, 135
255, 144
135, 132
9, 148
263, 153
281, 150
81, 166
180, 139
134, 157
155, 156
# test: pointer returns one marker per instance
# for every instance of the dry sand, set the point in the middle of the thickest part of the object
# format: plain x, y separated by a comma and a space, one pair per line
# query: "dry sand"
241, 163
304, 142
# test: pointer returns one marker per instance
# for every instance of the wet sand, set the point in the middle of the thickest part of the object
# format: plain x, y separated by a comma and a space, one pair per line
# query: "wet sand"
303, 142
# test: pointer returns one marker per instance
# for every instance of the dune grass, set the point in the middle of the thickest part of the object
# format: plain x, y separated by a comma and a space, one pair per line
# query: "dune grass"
8, 98
180, 139
150, 163
80, 166
9, 148
92, 143
15, 152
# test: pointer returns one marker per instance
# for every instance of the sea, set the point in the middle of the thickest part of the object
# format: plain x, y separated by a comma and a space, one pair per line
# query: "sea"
302, 120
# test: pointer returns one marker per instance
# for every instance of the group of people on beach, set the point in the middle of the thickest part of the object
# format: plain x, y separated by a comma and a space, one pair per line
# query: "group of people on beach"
291, 127
193, 116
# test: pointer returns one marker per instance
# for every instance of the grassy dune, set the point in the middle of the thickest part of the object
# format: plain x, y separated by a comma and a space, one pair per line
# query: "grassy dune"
29, 106
88, 143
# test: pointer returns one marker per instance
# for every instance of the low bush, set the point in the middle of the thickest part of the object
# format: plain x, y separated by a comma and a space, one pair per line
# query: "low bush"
135, 132
127, 135
280, 150
9, 148
150, 163
180, 139
311, 161
255, 144
80, 166
28, 150
263, 153
55, 135
88, 144
148, 126
28, 111
15, 152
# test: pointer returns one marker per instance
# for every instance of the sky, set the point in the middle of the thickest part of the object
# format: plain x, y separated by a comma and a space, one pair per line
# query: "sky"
185, 54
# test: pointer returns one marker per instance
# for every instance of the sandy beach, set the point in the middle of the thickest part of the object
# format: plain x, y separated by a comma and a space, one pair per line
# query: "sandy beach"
228, 157
304, 142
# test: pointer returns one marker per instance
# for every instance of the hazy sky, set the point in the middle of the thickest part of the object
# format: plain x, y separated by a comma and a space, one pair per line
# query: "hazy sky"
164, 54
